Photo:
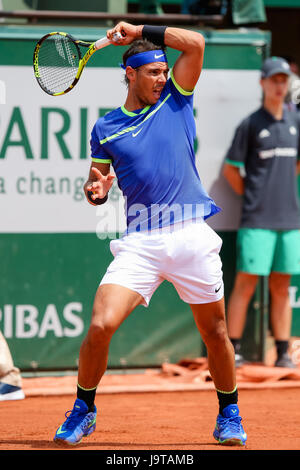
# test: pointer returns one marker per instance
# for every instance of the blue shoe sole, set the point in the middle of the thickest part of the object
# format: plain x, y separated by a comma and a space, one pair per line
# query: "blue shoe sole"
64, 442
230, 442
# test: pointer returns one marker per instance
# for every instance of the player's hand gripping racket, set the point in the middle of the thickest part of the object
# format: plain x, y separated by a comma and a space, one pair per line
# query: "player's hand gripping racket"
59, 59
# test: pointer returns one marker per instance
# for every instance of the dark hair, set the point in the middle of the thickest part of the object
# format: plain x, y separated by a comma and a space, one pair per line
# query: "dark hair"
140, 45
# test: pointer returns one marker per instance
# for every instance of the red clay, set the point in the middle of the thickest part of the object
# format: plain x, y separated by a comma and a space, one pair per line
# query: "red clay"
157, 421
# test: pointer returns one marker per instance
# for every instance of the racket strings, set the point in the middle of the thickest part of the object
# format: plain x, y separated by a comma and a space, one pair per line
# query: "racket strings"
58, 62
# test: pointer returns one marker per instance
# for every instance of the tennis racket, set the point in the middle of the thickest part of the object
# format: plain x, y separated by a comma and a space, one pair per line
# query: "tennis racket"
59, 59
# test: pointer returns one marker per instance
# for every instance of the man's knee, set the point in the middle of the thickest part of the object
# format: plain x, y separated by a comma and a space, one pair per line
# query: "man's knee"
217, 336
102, 326
279, 284
245, 284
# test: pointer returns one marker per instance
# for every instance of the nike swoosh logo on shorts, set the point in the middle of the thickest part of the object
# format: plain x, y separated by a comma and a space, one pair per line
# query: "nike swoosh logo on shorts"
217, 289
135, 134
158, 56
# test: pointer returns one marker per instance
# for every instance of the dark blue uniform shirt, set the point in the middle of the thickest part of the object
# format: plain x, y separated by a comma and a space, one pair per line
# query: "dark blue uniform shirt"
268, 150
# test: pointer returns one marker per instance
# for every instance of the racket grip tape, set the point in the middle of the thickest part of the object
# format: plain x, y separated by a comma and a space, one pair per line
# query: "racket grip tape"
103, 42
97, 201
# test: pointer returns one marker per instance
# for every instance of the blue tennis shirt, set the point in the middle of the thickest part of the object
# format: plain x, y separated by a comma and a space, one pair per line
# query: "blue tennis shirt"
152, 153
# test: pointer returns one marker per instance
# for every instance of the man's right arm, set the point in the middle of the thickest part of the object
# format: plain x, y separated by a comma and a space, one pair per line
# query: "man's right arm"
234, 178
236, 157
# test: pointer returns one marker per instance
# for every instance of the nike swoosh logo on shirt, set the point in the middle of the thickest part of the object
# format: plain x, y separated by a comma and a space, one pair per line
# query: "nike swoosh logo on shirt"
136, 133
131, 128
158, 56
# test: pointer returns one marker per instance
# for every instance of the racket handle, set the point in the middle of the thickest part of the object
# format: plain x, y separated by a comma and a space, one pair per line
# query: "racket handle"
103, 42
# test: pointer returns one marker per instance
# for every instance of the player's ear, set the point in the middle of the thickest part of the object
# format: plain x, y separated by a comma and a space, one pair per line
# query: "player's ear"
130, 73
262, 82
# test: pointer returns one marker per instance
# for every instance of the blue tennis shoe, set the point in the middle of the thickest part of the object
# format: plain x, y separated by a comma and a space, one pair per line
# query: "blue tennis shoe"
79, 423
229, 430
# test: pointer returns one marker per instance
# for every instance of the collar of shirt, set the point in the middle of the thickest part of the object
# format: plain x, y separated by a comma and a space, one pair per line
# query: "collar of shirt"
272, 117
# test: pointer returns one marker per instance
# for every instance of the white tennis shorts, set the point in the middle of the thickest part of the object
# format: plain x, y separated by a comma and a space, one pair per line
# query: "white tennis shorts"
187, 257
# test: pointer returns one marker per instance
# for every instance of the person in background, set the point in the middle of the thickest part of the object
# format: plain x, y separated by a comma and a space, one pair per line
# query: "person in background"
266, 147
10, 377
292, 99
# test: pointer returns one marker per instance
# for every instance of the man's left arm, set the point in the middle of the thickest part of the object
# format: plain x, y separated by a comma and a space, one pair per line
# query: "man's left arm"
188, 66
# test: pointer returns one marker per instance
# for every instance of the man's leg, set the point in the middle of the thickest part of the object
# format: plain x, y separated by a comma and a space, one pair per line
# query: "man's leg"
255, 252
281, 315
243, 290
112, 304
210, 320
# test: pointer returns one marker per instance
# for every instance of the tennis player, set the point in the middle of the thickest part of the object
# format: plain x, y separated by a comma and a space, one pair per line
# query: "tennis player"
149, 141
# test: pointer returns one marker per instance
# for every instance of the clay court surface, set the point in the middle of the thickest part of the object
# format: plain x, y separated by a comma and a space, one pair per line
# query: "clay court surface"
180, 420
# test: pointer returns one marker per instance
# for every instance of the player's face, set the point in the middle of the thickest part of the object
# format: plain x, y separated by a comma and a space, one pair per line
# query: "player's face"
276, 87
149, 82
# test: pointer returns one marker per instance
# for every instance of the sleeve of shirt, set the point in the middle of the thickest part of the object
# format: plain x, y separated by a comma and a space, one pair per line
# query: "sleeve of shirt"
238, 150
98, 153
185, 102
185, 97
